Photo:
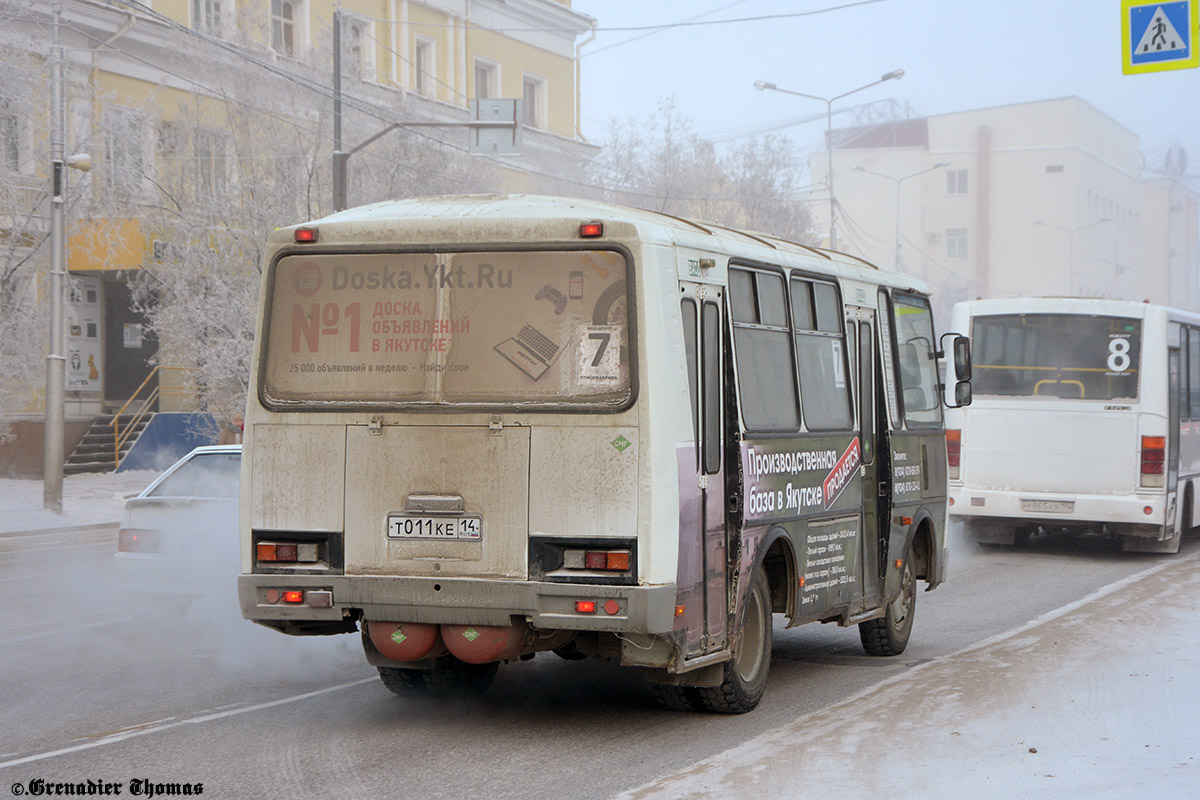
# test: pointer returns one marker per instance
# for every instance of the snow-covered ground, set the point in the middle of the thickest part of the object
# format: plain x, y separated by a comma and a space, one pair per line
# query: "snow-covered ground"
88, 499
1100, 699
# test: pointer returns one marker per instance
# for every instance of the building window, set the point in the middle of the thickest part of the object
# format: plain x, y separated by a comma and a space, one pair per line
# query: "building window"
533, 97
124, 147
423, 74
206, 16
487, 83
956, 243
356, 47
284, 15
10, 150
211, 164
956, 181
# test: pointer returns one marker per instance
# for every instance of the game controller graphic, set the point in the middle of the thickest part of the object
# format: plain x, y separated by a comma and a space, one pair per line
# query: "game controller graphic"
556, 297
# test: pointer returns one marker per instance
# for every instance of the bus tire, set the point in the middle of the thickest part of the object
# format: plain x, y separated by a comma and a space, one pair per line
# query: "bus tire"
1021, 536
676, 698
745, 675
888, 635
404, 682
451, 677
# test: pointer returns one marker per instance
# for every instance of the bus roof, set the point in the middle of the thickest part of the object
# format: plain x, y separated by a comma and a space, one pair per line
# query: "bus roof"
439, 218
1072, 305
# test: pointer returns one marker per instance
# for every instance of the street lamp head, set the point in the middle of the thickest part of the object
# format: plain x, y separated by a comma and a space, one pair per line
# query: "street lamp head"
80, 161
858, 168
940, 164
760, 85
895, 74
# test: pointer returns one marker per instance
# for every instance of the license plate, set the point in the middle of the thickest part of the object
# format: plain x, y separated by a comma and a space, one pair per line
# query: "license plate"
1055, 506
407, 526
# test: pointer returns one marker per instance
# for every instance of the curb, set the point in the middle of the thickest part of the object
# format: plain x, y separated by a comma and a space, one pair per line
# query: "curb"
94, 526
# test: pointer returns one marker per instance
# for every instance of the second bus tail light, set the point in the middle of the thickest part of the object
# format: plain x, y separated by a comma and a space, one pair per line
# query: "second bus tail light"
953, 452
1154, 458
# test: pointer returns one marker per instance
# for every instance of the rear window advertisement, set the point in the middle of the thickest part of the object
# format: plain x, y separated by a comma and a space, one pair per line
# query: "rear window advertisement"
491, 328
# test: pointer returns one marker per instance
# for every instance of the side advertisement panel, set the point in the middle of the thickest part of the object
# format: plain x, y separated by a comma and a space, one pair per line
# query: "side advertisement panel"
812, 487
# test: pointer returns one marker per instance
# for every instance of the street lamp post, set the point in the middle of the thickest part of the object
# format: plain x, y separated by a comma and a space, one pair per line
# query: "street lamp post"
828, 101
56, 361
899, 181
1071, 246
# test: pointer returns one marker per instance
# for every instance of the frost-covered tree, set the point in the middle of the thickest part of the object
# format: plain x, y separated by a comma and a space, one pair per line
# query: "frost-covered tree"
662, 164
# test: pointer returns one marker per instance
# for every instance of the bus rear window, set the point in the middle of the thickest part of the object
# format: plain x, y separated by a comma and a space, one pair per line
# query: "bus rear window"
1069, 356
471, 329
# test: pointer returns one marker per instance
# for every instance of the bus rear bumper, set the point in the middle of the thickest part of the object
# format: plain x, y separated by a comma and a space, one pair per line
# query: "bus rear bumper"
982, 510
329, 600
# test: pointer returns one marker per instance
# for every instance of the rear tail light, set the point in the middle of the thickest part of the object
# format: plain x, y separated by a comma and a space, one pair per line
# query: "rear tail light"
1154, 458
293, 596
138, 540
287, 552
599, 560
953, 452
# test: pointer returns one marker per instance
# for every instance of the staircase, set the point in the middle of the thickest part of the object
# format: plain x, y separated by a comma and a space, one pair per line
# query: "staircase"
95, 452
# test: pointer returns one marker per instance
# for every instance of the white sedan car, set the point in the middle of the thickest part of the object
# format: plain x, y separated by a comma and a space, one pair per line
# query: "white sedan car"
178, 542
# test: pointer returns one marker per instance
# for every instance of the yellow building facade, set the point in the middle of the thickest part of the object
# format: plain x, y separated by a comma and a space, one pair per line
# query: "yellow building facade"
209, 122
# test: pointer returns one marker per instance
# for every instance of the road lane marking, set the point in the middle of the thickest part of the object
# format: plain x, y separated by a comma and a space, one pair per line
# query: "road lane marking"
29, 577
143, 731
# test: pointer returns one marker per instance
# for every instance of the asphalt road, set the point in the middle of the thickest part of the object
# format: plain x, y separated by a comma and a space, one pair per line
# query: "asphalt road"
96, 687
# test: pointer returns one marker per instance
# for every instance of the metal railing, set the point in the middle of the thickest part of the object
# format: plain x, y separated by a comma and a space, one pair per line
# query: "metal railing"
120, 436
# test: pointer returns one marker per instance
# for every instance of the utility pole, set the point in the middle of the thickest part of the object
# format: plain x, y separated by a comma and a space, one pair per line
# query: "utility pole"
895, 74
56, 361
498, 115
339, 158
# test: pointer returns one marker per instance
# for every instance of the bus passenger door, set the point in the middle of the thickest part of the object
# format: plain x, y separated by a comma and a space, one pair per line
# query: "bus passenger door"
1173, 422
876, 496
702, 485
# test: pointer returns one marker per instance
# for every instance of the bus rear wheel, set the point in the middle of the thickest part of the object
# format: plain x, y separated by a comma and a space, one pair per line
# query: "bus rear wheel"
888, 636
448, 677
404, 682
745, 675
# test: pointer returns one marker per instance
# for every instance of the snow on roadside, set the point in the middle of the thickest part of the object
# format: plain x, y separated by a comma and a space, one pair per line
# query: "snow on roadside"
88, 499
1099, 699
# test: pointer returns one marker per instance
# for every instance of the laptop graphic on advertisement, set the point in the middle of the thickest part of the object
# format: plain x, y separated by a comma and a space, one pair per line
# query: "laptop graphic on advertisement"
530, 351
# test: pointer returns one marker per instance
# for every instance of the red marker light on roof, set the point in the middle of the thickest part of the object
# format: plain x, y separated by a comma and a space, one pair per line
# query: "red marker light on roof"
590, 230
306, 235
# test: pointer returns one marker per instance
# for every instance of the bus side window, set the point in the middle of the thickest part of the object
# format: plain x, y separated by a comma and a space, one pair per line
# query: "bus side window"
852, 357
688, 312
766, 377
710, 356
912, 319
1194, 373
820, 355
866, 382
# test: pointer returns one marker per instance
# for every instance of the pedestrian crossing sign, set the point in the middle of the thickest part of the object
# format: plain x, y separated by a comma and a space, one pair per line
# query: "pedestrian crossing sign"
1159, 35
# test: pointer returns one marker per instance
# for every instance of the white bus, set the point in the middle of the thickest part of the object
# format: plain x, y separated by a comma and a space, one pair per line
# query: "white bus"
484, 427
1086, 415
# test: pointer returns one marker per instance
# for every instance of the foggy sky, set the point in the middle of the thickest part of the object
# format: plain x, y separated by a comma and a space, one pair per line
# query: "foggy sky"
957, 54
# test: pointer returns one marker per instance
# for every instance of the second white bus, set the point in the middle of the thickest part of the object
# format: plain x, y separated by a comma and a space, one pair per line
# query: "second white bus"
1086, 415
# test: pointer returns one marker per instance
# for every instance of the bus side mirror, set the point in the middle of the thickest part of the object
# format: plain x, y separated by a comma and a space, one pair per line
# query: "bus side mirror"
962, 393
962, 361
